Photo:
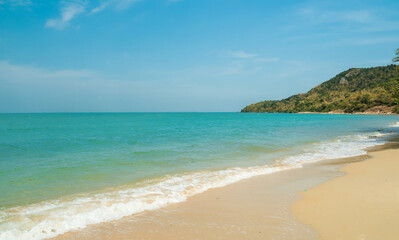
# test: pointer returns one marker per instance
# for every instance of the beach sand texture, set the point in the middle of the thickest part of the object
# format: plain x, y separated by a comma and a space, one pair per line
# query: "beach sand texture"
359, 202
257, 208
361, 205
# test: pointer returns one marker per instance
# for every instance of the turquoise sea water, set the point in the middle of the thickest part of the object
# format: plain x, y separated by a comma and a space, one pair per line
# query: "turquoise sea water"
60, 172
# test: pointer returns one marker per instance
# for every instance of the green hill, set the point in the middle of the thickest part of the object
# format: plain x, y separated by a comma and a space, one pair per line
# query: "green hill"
354, 90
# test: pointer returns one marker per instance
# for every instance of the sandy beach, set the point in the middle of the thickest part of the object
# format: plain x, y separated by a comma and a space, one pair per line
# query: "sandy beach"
362, 204
257, 208
260, 208
338, 199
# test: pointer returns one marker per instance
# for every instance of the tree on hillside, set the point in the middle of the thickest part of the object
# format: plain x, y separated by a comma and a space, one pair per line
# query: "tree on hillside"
396, 59
395, 87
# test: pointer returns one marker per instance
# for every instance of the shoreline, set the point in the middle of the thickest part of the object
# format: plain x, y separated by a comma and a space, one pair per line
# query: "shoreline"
236, 211
355, 113
332, 113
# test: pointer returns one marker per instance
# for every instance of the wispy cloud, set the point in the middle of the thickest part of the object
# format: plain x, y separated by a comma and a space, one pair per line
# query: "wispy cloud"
14, 72
120, 4
100, 7
316, 22
69, 10
241, 54
116, 4
172, 1
28, 88
370, 41
23, 3
240, 62
321, 16
272, 59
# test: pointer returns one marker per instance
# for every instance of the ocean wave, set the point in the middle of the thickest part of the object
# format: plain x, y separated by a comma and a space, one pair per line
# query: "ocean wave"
395, 124
51, 218
348, 146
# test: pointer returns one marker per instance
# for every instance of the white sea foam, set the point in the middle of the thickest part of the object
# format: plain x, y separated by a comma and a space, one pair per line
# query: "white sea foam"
349, 146
395, 124
51, 218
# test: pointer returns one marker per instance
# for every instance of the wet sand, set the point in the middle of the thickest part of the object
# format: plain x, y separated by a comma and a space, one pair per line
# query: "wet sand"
362, 204
257, 208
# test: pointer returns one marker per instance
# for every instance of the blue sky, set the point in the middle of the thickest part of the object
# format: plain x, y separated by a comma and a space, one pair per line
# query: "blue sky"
182, 55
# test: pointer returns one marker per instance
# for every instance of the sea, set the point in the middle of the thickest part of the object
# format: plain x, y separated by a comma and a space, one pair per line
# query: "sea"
65, 171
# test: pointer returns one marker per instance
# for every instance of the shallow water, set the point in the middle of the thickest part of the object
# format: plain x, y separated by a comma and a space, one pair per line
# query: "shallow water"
60, 172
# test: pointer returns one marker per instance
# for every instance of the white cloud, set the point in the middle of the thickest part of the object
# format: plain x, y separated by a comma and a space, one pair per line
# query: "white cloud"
241, 54
120, 4
11, 72
322, 16
101, 7
117, 4
69, 10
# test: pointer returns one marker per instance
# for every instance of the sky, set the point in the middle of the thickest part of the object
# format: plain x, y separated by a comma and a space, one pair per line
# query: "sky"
182, 55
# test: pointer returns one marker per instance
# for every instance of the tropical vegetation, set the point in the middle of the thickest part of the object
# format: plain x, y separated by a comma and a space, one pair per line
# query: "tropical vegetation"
395, 87
354, 90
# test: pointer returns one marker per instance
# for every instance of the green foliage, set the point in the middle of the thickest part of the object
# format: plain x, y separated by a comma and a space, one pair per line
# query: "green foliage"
396, 59
395, 90
395, 85
354, 90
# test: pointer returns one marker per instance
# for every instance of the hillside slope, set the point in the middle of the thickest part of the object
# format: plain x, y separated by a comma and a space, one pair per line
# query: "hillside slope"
354, 90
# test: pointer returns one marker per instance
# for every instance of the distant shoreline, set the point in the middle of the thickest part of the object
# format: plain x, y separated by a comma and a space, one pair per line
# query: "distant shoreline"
378, 110
333, 113
356, 113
